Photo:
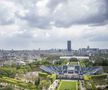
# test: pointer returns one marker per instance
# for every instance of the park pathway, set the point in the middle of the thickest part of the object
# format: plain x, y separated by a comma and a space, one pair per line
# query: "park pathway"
53, 85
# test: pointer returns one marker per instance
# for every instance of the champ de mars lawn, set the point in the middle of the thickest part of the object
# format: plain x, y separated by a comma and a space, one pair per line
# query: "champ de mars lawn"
67, 85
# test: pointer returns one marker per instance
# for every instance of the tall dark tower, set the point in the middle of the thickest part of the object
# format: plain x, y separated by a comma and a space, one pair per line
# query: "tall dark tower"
69, 45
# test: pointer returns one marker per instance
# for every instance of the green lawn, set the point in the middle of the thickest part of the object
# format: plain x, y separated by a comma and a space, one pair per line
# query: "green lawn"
67, 85
73, 63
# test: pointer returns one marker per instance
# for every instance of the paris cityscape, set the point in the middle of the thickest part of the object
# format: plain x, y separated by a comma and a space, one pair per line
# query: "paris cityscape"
50, 69
53, 44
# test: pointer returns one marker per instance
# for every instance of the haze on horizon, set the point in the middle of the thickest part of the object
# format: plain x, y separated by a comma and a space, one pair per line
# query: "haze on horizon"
45, 24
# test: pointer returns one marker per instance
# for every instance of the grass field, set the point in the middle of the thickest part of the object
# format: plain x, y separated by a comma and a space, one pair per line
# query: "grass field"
67, 85
73, 63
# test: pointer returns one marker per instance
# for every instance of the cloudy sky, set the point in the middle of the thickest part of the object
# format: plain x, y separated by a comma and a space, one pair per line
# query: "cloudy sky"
45, 24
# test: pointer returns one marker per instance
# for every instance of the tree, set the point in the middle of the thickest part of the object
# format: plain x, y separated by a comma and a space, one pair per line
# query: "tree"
44, 84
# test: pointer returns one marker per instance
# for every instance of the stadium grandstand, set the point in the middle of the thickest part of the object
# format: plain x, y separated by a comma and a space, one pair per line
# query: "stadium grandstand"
71, 70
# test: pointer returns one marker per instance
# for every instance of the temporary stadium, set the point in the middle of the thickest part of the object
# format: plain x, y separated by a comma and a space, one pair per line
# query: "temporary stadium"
67, 69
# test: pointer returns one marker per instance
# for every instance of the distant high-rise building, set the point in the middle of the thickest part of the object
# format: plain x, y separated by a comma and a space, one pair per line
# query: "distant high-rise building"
69, 45
88, 47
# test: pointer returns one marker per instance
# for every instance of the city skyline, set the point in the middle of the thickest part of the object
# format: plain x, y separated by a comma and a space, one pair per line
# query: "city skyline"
47, 24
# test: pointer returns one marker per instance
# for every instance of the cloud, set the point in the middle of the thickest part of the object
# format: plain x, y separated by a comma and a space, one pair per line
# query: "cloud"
81, 12
7, 10
50, 23
65, 14
59, 13
34, 38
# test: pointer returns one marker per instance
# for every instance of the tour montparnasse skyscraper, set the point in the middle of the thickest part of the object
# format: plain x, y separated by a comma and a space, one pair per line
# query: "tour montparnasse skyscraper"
69, 45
